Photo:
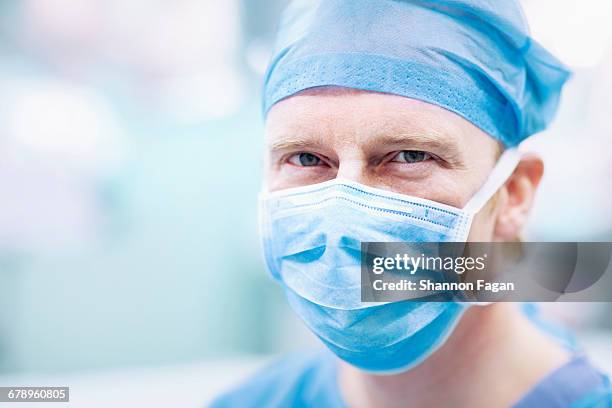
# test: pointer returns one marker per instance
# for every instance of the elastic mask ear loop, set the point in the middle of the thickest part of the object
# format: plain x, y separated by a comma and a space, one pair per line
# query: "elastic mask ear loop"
499, 175
502, 171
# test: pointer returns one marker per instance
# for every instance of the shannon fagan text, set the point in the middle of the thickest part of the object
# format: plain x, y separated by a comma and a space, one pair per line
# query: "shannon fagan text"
431, 286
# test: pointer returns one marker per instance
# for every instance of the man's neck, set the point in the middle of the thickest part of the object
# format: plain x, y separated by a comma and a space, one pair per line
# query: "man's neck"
493, 358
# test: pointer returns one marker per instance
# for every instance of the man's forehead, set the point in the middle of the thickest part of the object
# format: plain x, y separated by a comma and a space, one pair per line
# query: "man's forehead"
369, 117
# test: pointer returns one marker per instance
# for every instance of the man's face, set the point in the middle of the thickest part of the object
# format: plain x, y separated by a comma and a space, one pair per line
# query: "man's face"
383, 141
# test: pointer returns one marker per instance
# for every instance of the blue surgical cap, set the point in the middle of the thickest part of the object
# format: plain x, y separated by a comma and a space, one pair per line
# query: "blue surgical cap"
474, 58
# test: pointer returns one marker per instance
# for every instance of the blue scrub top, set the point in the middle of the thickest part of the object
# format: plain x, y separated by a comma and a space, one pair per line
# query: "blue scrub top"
309, 380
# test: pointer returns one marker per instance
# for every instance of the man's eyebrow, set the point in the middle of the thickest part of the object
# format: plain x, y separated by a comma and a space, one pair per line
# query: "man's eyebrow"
293, 142
395, 138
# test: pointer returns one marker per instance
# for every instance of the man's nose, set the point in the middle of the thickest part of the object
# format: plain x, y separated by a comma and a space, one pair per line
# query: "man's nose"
353, 169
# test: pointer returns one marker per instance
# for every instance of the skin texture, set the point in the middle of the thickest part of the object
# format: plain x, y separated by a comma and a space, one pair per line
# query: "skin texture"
360, 135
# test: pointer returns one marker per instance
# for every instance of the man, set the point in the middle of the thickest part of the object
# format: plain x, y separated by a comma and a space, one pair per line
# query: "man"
397, 121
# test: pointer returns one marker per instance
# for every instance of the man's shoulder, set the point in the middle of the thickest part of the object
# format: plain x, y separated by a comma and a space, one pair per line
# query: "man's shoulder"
288, 381
576, 384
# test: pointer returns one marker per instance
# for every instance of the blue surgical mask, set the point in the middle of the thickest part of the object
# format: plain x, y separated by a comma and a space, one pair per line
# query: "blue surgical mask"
312, 243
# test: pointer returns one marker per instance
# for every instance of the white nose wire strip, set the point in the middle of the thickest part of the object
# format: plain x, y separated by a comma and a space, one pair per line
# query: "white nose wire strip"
499, 175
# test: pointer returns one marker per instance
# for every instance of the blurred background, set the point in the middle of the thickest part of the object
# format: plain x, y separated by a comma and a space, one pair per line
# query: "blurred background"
130, 144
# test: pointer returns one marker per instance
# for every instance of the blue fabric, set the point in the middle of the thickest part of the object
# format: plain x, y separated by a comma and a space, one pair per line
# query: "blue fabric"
312, 243
474, 58
576, 384
309, 380
312, 239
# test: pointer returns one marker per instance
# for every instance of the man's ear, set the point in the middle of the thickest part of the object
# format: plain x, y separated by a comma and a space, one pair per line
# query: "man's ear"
517, 198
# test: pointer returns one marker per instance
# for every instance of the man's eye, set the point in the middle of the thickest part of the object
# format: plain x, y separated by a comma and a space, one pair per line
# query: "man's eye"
305, 160
411, 156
